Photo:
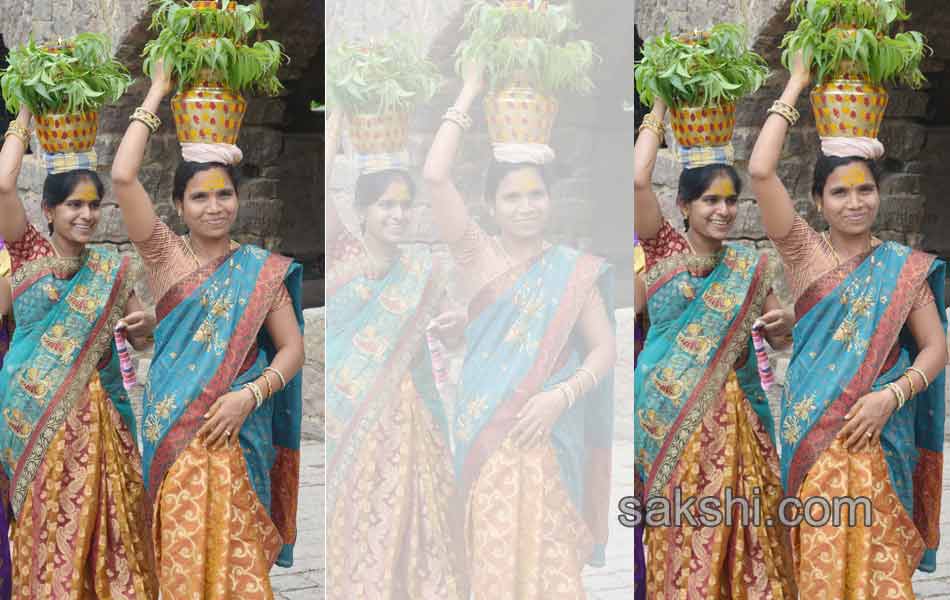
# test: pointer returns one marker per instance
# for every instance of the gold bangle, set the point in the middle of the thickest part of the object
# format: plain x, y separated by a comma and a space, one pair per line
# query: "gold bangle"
258, 394
283, 382
18, 131
458, 117
789, 113
589, 374
654, 124
913, 388
270, 388
922, 376
147, 118
899, 394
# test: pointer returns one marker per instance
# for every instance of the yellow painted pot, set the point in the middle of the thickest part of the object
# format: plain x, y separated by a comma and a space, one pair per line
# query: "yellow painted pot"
60, 132
703, 125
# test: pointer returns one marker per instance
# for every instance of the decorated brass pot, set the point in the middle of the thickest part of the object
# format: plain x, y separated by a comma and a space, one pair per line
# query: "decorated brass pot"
212, 5
59, 133
379, 133
703, 125
208, 113
848, 106
519, 114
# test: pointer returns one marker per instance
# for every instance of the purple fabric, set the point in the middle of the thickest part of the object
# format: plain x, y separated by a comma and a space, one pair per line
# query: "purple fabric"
6, 571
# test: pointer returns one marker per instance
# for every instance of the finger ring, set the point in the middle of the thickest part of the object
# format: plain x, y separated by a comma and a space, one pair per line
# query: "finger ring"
870, 434
227, 432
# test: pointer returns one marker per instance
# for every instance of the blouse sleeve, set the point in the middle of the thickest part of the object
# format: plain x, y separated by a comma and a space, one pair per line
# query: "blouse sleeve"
668, 242
156, 249
925, 296
281, 300
29, 247
471, 246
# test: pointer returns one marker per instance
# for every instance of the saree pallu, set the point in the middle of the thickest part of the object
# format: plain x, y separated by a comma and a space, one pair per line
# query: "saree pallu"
850, 339
389, 481
703, 430
222, 517
534, 516
69, 458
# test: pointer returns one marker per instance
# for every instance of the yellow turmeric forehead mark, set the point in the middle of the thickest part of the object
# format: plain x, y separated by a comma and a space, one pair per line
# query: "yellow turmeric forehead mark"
85, 192
215, 181
854, 175
722, 187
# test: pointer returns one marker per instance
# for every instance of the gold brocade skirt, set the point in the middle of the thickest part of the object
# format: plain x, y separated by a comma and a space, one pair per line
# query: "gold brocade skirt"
729, 449
525, 539
391, 532
82, 532
860, 562
213, 538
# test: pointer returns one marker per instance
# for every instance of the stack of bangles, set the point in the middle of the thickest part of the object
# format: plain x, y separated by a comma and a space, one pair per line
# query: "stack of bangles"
18, 131
259, 396
458, 117
787, 112
147, 118
899, 394
570, 393
652, 123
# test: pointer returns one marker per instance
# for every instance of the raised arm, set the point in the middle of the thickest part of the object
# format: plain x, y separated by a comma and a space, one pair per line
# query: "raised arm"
647, 216
137, 210
775, 203
448, 206
332, 222
13, 222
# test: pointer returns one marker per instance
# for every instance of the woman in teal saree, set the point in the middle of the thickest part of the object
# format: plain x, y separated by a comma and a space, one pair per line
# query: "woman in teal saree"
389, 476
863, 410
533, 424
71, 468
222, 407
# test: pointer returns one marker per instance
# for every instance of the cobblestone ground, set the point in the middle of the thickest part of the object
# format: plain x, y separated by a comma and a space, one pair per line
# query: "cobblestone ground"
613, 582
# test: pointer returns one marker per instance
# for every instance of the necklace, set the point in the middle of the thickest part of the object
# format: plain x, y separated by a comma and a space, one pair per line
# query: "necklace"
509, 261
827, 239
194, 256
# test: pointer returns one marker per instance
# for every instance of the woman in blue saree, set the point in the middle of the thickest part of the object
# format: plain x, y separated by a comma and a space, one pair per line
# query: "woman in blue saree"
863, 410
389, 478
222, 407
71, 468
703, 428
533, 424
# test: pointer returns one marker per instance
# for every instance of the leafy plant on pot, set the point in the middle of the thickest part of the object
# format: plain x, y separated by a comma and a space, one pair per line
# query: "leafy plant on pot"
700, 76
207, 47
519, 42
847, 45
377, 84
64, 85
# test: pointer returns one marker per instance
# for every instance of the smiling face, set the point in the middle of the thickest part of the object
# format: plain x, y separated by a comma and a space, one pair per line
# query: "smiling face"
522, 205
75, 218
714, 212
387, 219
210, 204
850, 200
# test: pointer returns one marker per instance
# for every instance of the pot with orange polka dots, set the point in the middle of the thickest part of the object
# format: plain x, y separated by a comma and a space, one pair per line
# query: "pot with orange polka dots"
382, 133
519, 114
208, 113
848, 107
703, 125
61, 133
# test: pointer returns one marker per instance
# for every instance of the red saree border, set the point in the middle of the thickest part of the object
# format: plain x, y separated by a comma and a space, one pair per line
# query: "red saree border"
68, 382
724, 347
404, 348
665, 279
823, 432
269, 280
187, 285
928, 483
283, 502
826, 284
585, 276
493, 290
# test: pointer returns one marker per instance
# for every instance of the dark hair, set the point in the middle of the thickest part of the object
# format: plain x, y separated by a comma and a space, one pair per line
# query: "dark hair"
58, 187
694, 182
499, 170
827, 164
187, 169
371, 186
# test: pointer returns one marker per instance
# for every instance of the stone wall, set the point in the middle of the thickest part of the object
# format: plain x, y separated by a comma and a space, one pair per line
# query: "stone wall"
281, 138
